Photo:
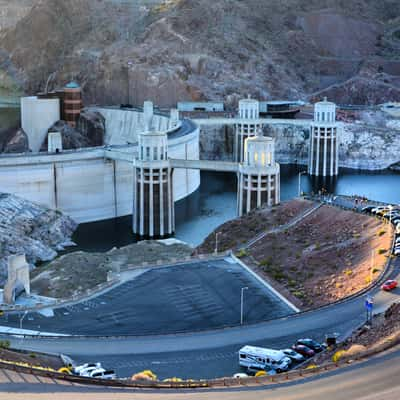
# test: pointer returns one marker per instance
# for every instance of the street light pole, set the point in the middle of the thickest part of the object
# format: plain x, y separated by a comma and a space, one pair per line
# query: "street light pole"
299, 188
241, 303
21, 319
216, 242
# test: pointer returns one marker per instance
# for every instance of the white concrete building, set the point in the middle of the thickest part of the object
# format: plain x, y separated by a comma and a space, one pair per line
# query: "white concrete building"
324, 141
54, 142
37, 116
259, 175
153, 203
247, 126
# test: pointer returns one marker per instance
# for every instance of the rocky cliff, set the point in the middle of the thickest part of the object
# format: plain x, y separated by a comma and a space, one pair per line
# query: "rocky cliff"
26, 228
362, 146
169, 50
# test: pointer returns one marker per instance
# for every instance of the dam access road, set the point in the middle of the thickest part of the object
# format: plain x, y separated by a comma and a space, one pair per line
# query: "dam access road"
213, 353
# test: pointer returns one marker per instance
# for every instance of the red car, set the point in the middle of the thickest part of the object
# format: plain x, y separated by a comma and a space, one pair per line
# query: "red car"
303, 350
389, 285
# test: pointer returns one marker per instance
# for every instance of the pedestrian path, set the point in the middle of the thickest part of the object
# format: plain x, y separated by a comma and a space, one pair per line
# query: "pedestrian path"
284, 227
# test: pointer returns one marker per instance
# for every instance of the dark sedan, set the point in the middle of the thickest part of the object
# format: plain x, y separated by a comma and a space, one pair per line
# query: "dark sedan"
312, 344
303, 350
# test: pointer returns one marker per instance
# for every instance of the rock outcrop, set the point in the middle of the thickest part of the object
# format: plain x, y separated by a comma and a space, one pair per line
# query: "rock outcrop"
92, 125
89, 131
18, 143
27, 228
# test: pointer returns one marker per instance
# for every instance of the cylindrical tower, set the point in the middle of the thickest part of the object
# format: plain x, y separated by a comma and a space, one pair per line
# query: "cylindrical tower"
153, 203
249, 113
72, 103
148, 113
259, 175
324, 141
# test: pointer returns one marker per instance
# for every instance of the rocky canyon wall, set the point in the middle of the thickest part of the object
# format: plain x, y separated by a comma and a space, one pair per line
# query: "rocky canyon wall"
361, 146
27, 228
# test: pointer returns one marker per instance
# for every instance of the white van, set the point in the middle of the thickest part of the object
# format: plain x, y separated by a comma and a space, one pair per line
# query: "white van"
259, 357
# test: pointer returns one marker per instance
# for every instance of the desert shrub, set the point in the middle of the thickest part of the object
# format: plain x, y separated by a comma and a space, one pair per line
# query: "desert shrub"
348, 272
241, 253
381, 251
381, 232
338, 355
375, 270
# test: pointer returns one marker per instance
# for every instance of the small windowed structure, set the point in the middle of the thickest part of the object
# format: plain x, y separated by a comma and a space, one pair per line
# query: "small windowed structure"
259, 175
324, 141
54, 142
153, 203
249, 114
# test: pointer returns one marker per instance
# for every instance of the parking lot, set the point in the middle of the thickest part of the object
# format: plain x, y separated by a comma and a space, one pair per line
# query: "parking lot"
190, 297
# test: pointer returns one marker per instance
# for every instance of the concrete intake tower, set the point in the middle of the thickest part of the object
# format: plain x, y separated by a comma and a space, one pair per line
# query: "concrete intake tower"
324, 141
259, 175
247, 126
153, 203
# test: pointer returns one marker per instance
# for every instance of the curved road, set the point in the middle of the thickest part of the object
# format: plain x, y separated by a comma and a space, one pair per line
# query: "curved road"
213, 353
374, 379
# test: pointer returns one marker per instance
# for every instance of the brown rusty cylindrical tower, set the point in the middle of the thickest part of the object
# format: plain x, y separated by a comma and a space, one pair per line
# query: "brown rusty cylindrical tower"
72, 103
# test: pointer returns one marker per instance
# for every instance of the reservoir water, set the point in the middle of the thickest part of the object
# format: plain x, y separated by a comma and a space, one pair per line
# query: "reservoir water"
215, 203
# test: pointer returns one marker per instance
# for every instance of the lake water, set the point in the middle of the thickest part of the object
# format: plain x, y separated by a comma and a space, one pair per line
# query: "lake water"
215, 203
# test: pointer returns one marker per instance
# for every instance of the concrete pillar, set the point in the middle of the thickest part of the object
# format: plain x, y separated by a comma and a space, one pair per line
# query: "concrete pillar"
148, 113
324, 151
153, 209
259, 166
174, 117
249, 113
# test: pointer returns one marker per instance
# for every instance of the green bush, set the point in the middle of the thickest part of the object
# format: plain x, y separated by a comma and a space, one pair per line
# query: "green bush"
382, 251
241, 253
4, 344
381, 232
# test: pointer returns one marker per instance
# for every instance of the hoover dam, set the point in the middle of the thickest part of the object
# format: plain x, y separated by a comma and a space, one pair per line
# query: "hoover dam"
94, 184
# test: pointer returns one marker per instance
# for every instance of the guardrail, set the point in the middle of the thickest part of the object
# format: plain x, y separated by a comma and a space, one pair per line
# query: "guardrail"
211, 383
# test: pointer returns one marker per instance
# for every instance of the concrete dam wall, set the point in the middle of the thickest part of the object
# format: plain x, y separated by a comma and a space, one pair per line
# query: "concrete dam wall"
87, 185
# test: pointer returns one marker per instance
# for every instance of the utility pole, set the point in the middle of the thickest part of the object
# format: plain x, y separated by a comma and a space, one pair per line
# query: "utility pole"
241, 303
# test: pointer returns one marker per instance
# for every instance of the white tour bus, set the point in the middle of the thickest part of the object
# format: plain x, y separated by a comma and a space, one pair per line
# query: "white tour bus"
259, 357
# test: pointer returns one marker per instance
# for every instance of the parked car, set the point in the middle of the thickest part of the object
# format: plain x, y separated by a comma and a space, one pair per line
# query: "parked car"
312, 344
303, 350
389, 285
396, 251
368, 209
81, 368
294, 355
99, 373
240, 375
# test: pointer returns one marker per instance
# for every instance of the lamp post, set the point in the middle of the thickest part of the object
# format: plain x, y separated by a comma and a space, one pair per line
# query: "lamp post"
21, 319
299, 189
241, 303
216, 242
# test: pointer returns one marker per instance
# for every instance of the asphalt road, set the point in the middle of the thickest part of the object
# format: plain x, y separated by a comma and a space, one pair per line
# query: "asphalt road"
213, 353
374, 379
189, 297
